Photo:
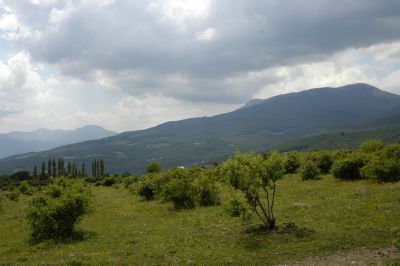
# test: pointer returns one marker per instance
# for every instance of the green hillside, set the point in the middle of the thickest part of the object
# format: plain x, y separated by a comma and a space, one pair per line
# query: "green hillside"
342, 139
260, 126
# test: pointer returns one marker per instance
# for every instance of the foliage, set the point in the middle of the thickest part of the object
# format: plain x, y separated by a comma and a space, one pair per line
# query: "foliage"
153, 167
206, 191
180, 191
323, 161
20, 175
237, 208
130, 181
348, 168
109, 181
309, 170
381, 169
13, 195
256, 178
292, 163
25, 188
371, 145
54, 211
396, 235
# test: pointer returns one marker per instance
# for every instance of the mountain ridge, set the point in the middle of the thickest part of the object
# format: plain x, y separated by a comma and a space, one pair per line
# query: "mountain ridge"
16, 142
202, 140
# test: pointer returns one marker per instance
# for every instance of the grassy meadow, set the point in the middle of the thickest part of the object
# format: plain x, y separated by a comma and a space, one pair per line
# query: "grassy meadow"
331, 216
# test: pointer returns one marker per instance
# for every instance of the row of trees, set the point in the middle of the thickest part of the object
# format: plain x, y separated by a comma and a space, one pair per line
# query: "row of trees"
56, 168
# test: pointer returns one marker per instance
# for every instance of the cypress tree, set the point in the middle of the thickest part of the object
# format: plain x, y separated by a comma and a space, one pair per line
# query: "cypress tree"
101, 168
54, 167
97, 168
69, 168
49, 167
35, 174
43, 174
83, 170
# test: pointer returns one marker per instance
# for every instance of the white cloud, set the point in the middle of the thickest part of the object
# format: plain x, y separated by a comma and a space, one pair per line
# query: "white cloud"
206, 35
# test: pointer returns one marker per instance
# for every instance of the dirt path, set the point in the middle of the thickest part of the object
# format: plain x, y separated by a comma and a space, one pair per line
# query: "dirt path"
378, 256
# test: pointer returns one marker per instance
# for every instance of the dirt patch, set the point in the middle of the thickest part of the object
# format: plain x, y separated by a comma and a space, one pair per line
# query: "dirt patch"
363, 256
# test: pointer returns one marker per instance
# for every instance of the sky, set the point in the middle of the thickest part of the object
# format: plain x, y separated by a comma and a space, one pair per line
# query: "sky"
132, 64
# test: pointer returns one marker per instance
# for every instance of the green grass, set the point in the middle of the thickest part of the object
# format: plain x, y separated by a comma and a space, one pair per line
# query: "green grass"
332, 216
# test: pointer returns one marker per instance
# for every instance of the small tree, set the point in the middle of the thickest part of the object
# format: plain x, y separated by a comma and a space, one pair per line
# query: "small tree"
257, 178
35, 173
54, 211
308, 170
153, 168
348, 168
371, 145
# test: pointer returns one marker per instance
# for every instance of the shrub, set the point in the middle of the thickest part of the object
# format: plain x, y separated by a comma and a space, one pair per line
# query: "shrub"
180, 192
348, 168
206, 192
130, 181
324, 162
396, 235
309, 170
256, 178
109, 181
382, 170
145, 189
391, 151
20, 175
150, 186
25, 188
292, 163
54, 211
371, 145
12, 195
153, 168
90, 179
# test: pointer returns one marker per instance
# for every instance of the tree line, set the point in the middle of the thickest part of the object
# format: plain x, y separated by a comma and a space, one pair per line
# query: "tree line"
56, 168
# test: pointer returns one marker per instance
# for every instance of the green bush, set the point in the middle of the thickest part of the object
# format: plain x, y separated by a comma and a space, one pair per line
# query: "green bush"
292, 163
396, 239
151, 185
130, 181
391, 151
309, 170
145, 189
54, 211
109, 181
382, 170
206, 192
348, 168
13, 195
324, 162
25, 188
371, 145
181, 192
153, 168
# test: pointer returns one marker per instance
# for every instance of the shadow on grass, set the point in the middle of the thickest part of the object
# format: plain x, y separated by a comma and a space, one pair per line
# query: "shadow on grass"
255, 235
76, 236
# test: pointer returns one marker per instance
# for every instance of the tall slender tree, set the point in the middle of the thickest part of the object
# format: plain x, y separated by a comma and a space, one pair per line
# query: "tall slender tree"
43, 173
83, 170
49, 167
101, 167
53, 163
35, 173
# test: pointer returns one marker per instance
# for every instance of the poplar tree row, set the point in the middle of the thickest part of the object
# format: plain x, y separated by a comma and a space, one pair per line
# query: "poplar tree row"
59, 168
98, 168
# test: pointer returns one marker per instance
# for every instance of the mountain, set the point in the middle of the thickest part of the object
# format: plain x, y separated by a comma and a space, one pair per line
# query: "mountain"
262, 125
342, 139
17, 142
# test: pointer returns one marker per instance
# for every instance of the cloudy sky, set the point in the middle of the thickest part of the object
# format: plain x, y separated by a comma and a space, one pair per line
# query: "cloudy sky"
132, 64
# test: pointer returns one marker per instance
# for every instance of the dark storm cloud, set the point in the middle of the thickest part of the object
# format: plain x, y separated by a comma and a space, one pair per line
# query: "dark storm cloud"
140, 50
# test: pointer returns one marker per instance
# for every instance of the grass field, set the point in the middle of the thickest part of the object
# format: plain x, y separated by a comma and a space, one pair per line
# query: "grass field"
332, 216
